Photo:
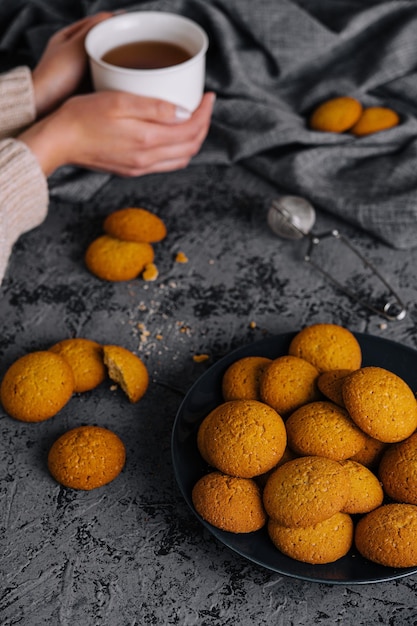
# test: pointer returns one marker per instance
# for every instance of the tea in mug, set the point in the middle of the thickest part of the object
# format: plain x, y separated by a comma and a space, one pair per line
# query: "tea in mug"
146, 55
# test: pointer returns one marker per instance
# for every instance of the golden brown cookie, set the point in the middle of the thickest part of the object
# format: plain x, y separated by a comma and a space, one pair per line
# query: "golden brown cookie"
330, 384
306, 491
388, 535
116, 260
243, 438
86, 457
36, 386
336, 115
230, 503
375, 119
370, 455
323, 429
366, 492
85, 358
398, 471
381, 404
324, 542
288, 383
127, 370
242, 378
327, 347
135, 224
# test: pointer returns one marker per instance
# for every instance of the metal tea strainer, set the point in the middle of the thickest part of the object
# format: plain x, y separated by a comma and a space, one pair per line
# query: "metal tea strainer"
293, 217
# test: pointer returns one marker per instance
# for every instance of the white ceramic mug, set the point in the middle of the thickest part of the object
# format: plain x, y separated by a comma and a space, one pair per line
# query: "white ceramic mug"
182, 84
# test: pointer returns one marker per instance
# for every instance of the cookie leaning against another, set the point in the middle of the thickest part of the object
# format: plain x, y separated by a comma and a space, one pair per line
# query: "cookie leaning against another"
37, 386
116, 260
366, 492
324, 542
230, 503
330, 384
241, 380
288, 383
86, 457
127, 370
388, 535
398, 471
305, 491
85, 359
336, 115
380, 403
324, 429
327, 347
135, 224
375, 119
243, 438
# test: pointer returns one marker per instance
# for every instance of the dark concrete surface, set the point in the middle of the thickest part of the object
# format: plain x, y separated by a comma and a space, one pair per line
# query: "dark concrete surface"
132, 553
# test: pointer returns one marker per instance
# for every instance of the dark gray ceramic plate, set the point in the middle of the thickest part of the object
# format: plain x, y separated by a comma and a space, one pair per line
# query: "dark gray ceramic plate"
205, 394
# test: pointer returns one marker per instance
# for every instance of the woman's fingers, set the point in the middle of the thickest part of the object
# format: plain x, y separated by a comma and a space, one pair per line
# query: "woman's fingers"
160, 111
111, 131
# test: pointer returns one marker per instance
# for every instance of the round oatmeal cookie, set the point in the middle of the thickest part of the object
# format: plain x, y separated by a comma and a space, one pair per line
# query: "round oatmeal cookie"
388, 535
330, 384
398, 471
366, 492
127, 370
36, 386
243, 438
381, 404
306, 491
135, 224
336, 115
85, 358
86, 457
375, 119
288, 383
116, 260
230, 503
324, 542
242, 378
327, 347
323, 429
370, 455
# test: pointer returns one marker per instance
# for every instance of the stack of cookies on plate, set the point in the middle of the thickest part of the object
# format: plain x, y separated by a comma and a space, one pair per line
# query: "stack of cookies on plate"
318, 449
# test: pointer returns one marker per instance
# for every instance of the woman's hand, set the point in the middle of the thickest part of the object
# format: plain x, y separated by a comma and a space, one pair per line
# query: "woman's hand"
120, 133
63, 64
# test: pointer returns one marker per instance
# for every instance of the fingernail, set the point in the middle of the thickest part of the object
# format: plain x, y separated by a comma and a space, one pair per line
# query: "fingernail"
182, 114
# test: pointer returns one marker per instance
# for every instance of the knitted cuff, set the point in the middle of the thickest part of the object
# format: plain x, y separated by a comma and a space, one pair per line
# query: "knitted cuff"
17, 101
23, 195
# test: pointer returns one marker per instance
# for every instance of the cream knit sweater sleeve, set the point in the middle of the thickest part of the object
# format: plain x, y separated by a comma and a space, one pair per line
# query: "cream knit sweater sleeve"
23, 186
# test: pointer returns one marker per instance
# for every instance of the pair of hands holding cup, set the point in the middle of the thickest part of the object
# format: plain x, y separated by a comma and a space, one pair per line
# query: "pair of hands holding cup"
111, 131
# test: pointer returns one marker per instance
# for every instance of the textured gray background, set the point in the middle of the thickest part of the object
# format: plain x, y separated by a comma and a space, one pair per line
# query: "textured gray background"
132, 553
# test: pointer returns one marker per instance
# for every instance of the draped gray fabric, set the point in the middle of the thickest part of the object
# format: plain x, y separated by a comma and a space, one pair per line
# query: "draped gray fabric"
270, 63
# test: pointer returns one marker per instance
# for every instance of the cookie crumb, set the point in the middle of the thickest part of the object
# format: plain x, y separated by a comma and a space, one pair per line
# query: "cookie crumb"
181, 258
150, 272
200, 358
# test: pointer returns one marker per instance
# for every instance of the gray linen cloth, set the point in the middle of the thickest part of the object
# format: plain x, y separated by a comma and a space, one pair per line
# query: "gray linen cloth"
270, 63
